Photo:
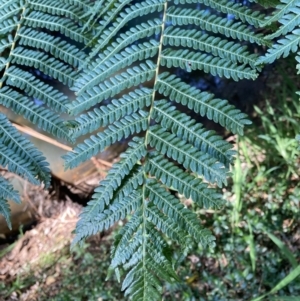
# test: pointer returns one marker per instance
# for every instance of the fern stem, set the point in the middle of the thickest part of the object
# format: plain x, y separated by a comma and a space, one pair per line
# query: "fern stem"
157, 66
146, 137
13, 45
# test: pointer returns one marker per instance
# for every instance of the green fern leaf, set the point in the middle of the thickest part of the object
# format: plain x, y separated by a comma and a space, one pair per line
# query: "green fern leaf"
203, 103
232, 51
48, 65
31, 54
189, 60
191, 187
132, 77
54, 23
177, 153
45, 119
134, 33
213, 23
187, 155
119, 61
128, 104
238, 10
25, 150
105, 192
288, 15
119, 130
54, 45
192, 132
7, 192
282, 8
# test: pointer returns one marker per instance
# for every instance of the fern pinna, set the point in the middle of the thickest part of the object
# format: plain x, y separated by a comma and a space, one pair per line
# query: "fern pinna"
38, 47
134, 52
286, 37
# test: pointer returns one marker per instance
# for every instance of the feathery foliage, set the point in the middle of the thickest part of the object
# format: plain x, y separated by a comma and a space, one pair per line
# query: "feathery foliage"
287, 36
38, 46
134, 49
132, 61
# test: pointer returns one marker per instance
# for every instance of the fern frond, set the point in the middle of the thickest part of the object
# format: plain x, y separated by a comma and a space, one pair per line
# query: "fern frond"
203, 103
224, 49
60, 8
140, 31
35, 25
228, 7
128, 104
109, 15
104, 193
287, 14
165, 224
132, 77
25, 150
282, 48
187, 155
16, 165
54, 45
172, 208
48, 65
177, 154
137, 10
114, 64
119, 130
97, 9
36, 88
191, 187
6, 26
281, 10
6, 43
149, 263
55, 23
190, 60
289, 21
45, 119
7, 192
10, 8
192, 132
213, 23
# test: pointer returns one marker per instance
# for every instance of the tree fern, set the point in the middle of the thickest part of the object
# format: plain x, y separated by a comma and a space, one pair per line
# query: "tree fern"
37, 43
174, 153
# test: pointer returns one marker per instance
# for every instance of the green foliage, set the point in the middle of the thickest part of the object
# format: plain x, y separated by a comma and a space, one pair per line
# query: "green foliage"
174, 153
288, 16
37, 44
177, 154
